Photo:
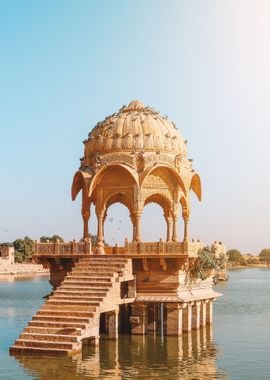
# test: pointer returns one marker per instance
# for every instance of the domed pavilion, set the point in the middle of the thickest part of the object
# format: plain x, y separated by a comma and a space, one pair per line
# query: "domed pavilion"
133, 157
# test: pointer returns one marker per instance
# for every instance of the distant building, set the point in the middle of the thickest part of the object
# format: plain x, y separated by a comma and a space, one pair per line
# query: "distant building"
6, 255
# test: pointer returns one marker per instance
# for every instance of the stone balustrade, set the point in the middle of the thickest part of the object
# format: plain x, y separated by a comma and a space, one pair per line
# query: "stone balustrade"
131, 249
71, 249
162, 248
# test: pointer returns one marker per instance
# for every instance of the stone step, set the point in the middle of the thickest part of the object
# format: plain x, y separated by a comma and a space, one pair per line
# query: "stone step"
92, 272
50, 337
76, 297
89, 293
89, 277
110, 258
22, 350
69, 307
70, 288
53, 330
85, 284
45, 344
100, 265
56, 318
63, 313
86, 280
71, 302
60, 325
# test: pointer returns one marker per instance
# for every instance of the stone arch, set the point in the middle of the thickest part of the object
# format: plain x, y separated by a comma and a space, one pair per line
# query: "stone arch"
195, 185
153, 221
117, 221
167, 172
118, 197
79, 183
129, 172
162, 200
166, 205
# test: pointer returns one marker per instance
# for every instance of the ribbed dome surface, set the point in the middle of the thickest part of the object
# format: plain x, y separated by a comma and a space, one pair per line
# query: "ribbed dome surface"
135, 127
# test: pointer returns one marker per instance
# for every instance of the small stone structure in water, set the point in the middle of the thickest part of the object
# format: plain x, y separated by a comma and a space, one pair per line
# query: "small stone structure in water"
133, 157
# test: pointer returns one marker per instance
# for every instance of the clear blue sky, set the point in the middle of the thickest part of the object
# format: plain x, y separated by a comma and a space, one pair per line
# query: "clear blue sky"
64, 65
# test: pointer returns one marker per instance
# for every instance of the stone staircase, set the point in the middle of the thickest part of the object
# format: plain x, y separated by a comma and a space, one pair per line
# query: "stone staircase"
72, 312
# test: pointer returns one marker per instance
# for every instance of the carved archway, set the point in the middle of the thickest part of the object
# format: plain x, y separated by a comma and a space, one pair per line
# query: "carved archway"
195, 185
110, 168
117, 224
168, 173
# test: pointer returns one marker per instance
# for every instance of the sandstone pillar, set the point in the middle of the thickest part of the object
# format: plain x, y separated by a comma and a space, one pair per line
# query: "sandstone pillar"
134, 232
175, 228
138, 319
196, 315
174, 319
85, 216
152, 317
203, 313
138, 226
100, 227
186, 232
169, 229
209, 313
187, 317
113, 324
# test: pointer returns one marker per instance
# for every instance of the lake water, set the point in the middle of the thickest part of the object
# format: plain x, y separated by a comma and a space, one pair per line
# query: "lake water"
238, 348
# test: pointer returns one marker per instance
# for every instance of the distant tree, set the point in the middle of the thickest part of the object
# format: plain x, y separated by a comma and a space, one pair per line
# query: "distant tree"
235, 256
54, 238
94, 240
44, 239
206, 262
265, 256
23, 249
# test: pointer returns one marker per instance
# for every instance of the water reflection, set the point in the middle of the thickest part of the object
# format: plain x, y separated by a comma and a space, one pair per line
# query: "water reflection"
192, 356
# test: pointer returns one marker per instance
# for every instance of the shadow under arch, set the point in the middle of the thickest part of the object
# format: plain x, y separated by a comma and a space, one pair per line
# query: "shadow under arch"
120, 170
169, 171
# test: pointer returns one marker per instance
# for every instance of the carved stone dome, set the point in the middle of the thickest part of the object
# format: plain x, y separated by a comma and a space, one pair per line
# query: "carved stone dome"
135, 128
136, 157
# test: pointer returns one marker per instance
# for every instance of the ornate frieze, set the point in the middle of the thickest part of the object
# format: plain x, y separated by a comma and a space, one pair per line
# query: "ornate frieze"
155, 159
154, 182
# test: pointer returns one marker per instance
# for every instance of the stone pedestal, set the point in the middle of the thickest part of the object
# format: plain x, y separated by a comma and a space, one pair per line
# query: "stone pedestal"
187, 317
152, 324
113, 324
174, 319
138, 319
203, 313
196, 320
209, 312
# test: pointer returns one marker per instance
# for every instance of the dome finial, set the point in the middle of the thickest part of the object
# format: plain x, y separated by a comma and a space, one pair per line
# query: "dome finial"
135, 105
